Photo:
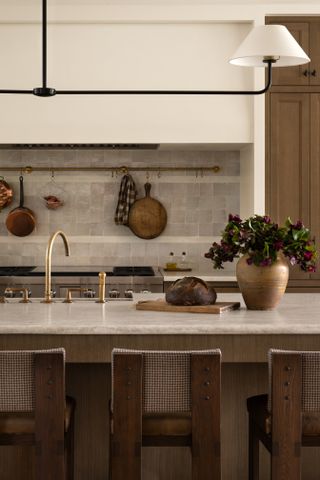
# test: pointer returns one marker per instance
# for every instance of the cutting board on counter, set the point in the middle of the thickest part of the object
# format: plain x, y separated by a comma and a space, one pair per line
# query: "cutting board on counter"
162, 306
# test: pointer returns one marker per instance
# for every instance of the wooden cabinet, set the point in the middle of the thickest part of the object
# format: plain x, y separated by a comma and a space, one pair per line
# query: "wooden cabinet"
315, 173
288, 169
306, 31
293, 140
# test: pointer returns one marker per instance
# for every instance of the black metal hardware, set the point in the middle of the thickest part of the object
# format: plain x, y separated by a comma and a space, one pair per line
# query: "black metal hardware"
314, 73
45, 91
306, 73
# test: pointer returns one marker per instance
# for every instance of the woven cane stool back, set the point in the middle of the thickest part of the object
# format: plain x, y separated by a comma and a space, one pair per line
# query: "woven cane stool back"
17, 379
310, 378
166, 379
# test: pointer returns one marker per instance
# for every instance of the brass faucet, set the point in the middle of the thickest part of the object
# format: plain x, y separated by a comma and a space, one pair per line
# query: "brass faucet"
102, 287
24, 291
68, 298
47, 292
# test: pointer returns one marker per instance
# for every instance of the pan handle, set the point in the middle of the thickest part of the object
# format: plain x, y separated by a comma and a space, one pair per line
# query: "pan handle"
21, 192
147, 187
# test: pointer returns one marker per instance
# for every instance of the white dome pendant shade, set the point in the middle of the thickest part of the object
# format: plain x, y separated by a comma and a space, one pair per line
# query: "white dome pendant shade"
269, 42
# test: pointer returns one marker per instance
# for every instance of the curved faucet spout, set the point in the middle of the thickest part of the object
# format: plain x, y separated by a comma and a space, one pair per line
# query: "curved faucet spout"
47, 293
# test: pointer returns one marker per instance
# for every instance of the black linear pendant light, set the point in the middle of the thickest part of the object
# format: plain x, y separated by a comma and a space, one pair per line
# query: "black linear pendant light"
265, 46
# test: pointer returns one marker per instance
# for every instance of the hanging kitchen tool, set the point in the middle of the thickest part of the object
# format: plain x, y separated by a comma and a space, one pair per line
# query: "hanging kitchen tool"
52, 194
21, 220
6, 193
147, 216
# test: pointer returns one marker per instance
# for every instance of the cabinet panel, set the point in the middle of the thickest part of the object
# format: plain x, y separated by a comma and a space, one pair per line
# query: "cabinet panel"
315, 173
294, 75
314, 66
289, 164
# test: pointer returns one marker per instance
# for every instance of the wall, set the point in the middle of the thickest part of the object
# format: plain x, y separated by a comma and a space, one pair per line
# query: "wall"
197, 206
139, 56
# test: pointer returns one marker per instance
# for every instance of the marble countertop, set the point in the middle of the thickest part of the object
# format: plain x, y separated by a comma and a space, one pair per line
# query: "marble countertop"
211, 276
297, 314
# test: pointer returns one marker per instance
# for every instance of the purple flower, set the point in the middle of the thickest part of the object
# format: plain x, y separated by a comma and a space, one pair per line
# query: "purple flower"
266, 262
249, 261
298, 225
267, 219
311, 268
234, 218
293, 260
231, 232
307, 255
278, 245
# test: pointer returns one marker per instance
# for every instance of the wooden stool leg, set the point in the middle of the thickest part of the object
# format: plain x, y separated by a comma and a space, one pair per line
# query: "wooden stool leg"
205, 389
127, 417
253, 451
286, 417
49, 416
70, 450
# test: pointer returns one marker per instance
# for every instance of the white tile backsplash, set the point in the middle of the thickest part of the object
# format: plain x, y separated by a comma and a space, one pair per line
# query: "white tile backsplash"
197, 206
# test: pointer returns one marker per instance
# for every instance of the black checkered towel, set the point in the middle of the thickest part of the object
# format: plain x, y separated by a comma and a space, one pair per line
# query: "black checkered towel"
127, 196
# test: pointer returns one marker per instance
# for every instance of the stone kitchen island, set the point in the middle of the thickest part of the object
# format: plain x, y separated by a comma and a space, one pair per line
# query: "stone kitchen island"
88, 331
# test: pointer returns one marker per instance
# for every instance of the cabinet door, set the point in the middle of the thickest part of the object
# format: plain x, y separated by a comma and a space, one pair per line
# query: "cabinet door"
289, 160
315, 174
314, 66
294, 75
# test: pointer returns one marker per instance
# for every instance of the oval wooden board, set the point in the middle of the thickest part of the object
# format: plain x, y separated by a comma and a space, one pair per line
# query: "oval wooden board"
162, 306
147, 216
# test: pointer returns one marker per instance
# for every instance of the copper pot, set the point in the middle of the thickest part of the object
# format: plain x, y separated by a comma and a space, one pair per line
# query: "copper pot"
262, 287
6, 193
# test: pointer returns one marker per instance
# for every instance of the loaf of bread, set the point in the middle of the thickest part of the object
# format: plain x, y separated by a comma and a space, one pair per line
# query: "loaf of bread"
190, 291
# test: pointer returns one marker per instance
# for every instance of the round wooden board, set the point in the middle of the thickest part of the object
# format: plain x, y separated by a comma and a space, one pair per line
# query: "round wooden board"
147, 217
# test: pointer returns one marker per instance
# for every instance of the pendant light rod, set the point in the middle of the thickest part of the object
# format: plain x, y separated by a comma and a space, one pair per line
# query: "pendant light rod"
44, 42
175, 92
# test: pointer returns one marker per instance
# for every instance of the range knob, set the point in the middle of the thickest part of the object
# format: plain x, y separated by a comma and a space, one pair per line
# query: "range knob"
114, 293
89, 293
145, 290
128, 293
8, 293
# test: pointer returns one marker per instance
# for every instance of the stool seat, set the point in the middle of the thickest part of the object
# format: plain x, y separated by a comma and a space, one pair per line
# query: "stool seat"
166, 424
258, 408
22, 423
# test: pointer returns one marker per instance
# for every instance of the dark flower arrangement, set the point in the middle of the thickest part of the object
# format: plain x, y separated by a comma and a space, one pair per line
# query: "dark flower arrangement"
262, 240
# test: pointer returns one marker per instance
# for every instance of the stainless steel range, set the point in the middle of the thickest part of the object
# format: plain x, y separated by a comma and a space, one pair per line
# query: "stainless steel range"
121, 282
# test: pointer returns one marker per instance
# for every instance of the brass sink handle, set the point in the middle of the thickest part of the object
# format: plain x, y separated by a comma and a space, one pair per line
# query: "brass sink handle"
68, 298
3, 300
102, 287
24, 291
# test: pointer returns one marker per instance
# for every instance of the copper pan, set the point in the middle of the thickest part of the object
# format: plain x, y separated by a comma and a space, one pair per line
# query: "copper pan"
6, 193
21, 220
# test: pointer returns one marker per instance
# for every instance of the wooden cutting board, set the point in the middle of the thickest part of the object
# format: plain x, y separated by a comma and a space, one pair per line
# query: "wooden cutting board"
147, 216
162, 306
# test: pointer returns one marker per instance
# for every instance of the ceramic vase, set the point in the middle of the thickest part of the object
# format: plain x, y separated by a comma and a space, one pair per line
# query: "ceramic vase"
262, 287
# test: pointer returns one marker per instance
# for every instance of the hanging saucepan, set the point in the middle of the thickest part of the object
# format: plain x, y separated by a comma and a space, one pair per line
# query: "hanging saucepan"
21, 220
6, 193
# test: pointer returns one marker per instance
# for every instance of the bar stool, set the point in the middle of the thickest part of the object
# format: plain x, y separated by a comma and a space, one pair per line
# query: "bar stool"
287, 418
34, 409
165, 398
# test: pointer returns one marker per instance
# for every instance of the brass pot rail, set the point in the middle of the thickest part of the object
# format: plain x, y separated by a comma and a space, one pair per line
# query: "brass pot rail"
118, 170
